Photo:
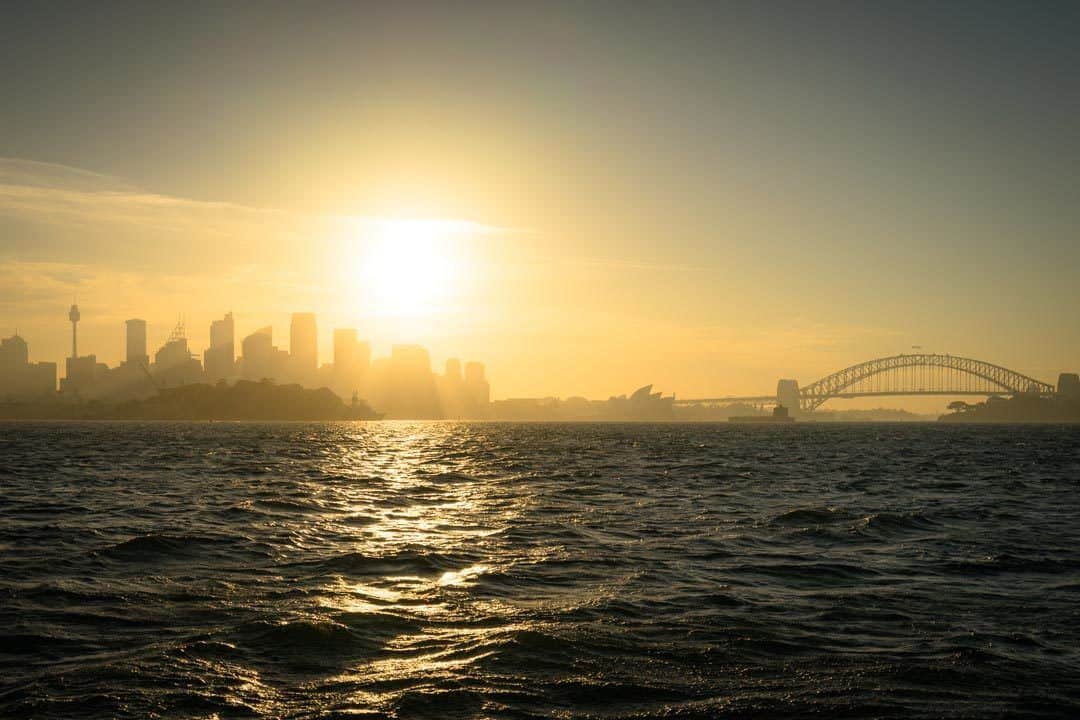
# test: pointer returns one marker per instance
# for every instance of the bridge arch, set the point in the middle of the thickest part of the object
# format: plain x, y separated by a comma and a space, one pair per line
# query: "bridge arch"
897, 374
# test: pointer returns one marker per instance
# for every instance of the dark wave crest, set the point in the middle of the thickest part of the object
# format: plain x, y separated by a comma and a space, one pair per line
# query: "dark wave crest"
454, 570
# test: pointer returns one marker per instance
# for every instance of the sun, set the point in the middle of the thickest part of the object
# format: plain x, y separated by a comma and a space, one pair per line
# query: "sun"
409, 266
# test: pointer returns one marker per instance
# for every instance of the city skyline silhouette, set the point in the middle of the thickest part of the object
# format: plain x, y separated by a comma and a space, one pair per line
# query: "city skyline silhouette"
176, 383
442, 360
787, 191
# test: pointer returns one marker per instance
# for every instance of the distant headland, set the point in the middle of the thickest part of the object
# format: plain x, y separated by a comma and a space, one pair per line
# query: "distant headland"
266, 382
243, 400
1061, 408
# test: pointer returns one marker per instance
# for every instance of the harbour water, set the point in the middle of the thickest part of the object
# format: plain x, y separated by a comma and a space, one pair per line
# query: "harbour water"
443, 570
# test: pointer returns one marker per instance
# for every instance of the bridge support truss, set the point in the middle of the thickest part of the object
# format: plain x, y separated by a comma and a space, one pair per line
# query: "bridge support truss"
920, 374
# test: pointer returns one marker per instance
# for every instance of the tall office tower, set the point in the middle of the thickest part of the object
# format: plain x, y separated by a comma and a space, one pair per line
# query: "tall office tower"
219, 360
175, 350
136, 342
412, 361
173, 362
221, 332
74, 317
451, 397
412, 393
258, 354
476, 385
363, 356
474, 372
14, 354
19, 378
351, 360
453, 371
344, 350
304, 344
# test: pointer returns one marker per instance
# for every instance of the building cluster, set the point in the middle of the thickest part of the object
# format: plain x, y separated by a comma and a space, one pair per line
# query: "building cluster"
21, 379
400, 386
642, 405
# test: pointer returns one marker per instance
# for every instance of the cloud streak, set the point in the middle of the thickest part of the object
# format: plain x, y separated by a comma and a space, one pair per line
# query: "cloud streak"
67, 201
23, 172
61, 196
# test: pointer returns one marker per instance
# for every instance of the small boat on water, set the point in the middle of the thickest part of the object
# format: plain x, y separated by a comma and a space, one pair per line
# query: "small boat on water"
780, 414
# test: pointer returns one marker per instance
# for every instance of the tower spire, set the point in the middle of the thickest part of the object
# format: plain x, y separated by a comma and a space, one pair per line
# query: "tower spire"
74, 316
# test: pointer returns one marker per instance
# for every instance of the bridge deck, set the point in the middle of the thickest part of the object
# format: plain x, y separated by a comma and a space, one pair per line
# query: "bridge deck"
727, 400
845, 396
899, 375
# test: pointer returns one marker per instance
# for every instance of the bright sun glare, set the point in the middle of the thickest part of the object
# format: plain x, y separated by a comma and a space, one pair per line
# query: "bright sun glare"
409, 267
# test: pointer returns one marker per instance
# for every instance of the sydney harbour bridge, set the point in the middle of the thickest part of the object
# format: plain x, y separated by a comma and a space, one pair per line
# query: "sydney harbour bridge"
912, 374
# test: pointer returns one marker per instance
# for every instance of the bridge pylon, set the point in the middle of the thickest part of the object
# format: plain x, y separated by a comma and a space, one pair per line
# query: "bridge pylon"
787, 395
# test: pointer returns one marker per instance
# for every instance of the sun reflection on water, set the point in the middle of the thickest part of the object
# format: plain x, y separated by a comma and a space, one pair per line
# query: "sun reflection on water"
462, 577
403, 547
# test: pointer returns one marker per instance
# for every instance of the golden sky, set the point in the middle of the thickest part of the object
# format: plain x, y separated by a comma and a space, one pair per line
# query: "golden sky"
586, 200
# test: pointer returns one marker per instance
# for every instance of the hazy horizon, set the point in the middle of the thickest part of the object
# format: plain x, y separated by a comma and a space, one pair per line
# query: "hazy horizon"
765, 398
783, 192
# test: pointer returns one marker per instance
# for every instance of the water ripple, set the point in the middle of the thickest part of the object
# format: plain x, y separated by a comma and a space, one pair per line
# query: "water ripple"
399, 570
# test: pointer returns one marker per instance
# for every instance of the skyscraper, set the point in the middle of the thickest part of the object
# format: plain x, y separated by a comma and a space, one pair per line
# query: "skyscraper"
363, 357
14, 354
474, 373
477, 389
219, 360
21, 379
222, 333
136, 342
412, 393
450, 390
173, 363
352, 360
175, 350
344, 349
304, 345
258, 354
453, 371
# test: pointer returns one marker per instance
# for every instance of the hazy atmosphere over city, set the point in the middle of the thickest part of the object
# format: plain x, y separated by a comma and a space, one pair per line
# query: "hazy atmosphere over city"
539, 360
786, 190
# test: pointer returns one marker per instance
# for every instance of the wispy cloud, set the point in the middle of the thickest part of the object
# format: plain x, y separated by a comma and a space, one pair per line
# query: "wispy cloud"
23, 172
65, 230
58, 195
72, 199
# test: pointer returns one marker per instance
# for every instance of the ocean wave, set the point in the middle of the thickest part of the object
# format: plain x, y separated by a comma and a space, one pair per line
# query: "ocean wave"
809, 571
450, 477
405, 562
290, 507
19, 644
307, 643
890, 522
148, 548
1009, 563
809, 516
307, 570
